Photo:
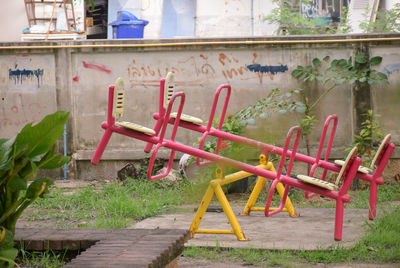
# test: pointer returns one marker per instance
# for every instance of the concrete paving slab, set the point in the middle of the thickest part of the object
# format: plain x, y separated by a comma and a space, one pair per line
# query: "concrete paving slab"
312, 230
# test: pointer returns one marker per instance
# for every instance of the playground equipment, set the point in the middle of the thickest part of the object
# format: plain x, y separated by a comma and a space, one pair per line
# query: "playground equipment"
214, 187
374, 177
374, 172
339, 195
331, 120
166, 92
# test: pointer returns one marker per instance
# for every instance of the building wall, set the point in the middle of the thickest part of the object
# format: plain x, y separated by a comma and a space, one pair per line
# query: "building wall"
12, 20
75, 77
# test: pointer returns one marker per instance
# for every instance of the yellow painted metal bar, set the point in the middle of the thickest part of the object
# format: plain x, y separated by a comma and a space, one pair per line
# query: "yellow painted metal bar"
238, 176
228, 210
215, 188
210, 231
206, 43
201, 210
257, 190
254, 195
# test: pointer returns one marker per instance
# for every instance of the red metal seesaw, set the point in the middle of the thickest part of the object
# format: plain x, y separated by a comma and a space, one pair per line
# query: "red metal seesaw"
147, 135
371, 174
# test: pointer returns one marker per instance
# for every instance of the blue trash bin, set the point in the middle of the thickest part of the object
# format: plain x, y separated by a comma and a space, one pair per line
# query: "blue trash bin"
128, 25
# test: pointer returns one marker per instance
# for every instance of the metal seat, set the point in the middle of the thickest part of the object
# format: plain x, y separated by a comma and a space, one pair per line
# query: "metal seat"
328, 185
118, 110
377, 156
170, 85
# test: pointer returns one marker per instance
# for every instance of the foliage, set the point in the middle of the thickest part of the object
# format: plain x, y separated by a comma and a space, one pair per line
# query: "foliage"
344, 26
341, 71
21, 157
370, 135
48, 258
338, 72
109, 206
275, 102
291, 22
386, 21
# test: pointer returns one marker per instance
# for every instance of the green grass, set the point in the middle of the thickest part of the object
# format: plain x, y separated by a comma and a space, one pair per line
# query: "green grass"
113, 206
120, 205
48, 259
380, 244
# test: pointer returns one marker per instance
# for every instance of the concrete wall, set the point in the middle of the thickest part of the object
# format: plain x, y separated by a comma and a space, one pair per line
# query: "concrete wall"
74, 76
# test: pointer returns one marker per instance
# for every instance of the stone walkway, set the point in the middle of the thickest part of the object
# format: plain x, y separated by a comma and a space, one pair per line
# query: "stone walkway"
313, 229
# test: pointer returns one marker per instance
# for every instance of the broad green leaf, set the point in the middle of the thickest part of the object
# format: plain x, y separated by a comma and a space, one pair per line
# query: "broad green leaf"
30, 171
7, 241
16, 184
362, 79
350, 61
352, 80
316, 62
360, 58
40, 137
382, 75
6, 147
326, 58
296, 73
251, 121
38, 188
375, 60
263, 115
8, 255
309, 68
300, 109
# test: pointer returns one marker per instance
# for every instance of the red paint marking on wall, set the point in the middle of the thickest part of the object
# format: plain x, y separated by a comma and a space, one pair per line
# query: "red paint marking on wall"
101, 68
21, 113
75, 78
204, 57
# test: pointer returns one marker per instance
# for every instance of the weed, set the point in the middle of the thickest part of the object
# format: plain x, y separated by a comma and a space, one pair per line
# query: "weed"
48, 259
386, 21
370, 135
113, 206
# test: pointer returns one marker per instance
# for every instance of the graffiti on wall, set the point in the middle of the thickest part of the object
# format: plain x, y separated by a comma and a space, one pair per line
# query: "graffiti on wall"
21, 113
19, 76
267, 68
96, 67
202, 68
310, 8
391, 68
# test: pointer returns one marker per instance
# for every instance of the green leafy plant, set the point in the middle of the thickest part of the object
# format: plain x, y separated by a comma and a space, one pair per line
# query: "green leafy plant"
274, 102
336, 73
292, 22
369, 137
21, 157
386, 21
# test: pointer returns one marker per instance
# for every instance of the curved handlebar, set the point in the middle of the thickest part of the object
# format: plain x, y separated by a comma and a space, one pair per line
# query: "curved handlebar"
211, 119
162, 134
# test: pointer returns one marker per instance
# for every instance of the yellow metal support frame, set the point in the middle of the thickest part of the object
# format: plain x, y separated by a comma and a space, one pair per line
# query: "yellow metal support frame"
215, 188
256, 192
